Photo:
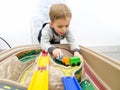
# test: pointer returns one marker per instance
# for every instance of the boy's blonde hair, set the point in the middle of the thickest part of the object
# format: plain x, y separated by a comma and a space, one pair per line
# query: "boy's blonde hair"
58, 11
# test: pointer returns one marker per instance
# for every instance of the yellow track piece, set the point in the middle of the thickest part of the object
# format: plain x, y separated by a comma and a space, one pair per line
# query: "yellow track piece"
39, 80
40, 76
67, 71
43, 60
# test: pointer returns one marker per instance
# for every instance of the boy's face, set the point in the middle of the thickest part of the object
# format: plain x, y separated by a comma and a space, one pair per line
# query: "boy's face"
61, 25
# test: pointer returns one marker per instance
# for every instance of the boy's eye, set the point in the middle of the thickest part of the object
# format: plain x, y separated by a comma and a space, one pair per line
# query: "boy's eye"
62, 26
67, 25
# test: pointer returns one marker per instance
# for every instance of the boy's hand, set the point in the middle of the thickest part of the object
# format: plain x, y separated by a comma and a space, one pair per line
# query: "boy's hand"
78, 54
57, 53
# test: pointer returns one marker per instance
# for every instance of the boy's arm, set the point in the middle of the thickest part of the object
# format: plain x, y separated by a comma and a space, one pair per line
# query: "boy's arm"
73, 44
47, 34
45, 45
45, 38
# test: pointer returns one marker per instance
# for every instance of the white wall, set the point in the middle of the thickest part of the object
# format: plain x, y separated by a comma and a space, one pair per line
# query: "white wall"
95, 22
15, 21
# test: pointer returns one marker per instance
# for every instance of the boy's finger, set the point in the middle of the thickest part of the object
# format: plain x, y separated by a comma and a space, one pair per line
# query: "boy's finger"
58, 55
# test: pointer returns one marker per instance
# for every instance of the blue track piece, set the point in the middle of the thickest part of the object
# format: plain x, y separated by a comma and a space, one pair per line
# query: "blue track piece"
71, 83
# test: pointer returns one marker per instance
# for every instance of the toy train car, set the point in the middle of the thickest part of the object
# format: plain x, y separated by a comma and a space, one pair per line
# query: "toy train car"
70, 61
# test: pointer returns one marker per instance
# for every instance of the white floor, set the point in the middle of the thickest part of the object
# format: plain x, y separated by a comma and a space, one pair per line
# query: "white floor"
114, 55
110, 51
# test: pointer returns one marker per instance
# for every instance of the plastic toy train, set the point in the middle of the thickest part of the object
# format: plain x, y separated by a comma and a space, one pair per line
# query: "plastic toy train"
69, 61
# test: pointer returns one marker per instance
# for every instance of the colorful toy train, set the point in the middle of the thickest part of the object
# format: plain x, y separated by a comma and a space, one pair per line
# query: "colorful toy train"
69, 61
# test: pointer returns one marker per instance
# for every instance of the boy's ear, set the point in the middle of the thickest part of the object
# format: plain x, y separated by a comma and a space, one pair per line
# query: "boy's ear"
51, 24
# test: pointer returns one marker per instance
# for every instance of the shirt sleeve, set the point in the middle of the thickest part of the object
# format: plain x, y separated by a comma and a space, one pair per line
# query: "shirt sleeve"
45, 38
71, 40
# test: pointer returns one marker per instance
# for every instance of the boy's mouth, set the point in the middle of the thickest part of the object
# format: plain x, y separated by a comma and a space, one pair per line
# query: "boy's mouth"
61, 33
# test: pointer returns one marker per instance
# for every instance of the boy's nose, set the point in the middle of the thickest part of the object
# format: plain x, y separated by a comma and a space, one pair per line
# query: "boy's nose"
64, 29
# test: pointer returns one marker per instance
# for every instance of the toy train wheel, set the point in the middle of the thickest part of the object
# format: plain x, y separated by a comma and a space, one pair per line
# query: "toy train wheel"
66, 65
63, 63
73, 64
78, 63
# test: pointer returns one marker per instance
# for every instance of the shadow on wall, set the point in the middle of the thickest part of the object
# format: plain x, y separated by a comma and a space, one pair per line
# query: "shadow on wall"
4, 44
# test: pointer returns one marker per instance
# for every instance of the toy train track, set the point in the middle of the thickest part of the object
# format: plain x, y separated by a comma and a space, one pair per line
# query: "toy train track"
71, 83
43, 61
4, 86
39, 81
40, 77
11, 85
7, 53
93, 59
